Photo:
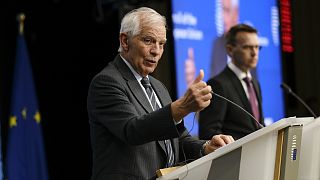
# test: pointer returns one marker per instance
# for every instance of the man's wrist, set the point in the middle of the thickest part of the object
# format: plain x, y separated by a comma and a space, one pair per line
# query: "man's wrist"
177, 112
203, 149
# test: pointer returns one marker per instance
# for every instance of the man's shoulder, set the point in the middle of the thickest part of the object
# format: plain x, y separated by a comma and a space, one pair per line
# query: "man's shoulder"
108, 75
223, 76
225, 81
109, 71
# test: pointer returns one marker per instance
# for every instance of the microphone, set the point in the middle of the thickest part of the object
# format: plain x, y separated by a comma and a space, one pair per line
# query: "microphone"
289, 91
238, 106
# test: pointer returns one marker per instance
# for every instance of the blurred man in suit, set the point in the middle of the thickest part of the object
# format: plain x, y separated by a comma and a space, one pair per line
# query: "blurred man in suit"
236, 83
135, 127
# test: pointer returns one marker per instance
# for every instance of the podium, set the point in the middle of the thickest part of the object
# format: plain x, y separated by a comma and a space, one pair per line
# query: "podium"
289, 149
309, 168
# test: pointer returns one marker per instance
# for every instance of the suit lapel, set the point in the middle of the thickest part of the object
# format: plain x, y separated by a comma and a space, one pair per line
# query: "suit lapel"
136, 90
139, 94
259, 98
160, 91
242, 94
133, 84
256, 88
164, 99
235, 82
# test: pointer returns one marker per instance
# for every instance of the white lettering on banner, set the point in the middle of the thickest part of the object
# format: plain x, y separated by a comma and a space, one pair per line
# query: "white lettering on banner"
189, 33
184, 18
263, 41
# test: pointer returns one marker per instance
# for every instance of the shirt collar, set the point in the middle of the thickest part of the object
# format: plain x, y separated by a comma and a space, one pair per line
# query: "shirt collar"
135, 73
240, 74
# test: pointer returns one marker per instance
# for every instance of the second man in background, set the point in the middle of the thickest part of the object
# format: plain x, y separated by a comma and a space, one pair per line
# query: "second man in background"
236, 83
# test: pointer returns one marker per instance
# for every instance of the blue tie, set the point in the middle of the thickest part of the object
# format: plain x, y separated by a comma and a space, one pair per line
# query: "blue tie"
152, 97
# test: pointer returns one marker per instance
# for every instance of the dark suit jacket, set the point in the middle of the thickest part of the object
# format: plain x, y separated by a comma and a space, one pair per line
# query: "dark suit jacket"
126, 135
221, 117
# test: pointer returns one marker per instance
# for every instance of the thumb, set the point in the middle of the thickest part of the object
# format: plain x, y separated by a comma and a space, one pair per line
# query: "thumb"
199, 77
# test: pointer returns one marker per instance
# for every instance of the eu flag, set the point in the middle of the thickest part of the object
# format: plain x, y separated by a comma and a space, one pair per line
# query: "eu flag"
25, 153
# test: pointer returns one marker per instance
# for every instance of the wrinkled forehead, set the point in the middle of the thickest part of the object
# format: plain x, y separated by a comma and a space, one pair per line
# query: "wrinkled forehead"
157, 31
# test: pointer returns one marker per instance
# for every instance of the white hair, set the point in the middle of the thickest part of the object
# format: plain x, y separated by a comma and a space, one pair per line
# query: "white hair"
131, 22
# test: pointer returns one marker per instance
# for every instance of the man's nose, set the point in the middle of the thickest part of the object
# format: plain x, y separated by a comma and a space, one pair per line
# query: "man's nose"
254, 51
156, 49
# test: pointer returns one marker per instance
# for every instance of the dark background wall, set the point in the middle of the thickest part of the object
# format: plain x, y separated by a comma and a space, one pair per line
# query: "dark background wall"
69, 42
306, 62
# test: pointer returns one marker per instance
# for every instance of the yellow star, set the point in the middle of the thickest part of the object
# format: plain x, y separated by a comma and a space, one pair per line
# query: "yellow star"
24, 113
37, 117
13, 121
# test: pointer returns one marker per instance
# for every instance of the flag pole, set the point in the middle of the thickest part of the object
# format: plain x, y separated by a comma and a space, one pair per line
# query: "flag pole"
21, 17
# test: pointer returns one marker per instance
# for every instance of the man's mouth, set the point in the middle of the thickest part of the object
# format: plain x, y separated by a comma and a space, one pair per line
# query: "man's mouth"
151, 61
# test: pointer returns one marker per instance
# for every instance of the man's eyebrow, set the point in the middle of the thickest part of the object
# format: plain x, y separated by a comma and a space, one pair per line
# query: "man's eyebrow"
153, 37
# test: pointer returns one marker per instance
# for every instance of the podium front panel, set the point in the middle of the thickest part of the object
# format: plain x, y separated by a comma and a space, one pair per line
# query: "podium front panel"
226, 167
309, 168
258, 158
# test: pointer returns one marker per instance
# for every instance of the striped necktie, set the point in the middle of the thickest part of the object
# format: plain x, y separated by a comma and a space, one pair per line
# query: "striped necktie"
152, 97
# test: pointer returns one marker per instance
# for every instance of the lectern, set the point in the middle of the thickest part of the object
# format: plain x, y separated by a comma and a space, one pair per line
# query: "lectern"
286, 150
309, 168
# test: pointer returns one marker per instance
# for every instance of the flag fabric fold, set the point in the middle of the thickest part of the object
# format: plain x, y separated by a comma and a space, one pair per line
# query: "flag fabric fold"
25, 149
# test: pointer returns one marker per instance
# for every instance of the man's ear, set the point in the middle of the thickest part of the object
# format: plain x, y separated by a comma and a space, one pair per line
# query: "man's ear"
124, 41
229, 49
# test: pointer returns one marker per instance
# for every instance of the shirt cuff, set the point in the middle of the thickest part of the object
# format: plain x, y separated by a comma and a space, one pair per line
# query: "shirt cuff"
176, 123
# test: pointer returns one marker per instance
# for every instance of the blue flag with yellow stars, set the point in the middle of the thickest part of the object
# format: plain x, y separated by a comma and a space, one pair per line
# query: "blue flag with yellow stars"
25, 153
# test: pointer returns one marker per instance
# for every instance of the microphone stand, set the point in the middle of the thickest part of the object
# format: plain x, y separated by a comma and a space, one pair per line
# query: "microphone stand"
289, 91
224, 98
